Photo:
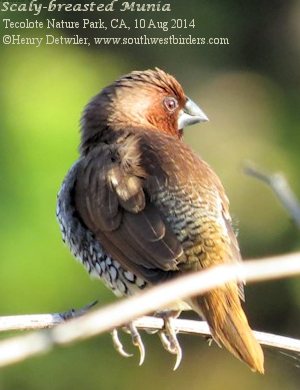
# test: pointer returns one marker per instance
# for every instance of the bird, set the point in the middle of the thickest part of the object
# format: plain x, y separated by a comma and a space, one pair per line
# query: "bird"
140, 207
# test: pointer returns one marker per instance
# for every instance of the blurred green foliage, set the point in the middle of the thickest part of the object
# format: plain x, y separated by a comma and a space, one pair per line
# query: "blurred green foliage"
251, 92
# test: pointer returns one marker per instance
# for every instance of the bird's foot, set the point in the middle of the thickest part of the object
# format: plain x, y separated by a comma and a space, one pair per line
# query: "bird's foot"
73, 313
136, 341
118, 344
168, 335
210, 340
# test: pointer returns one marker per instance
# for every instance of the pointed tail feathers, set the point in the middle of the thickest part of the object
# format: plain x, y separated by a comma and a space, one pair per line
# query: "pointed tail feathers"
229, 326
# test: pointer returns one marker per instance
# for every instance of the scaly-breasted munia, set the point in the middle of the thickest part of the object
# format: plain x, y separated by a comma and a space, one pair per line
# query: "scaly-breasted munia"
140, 207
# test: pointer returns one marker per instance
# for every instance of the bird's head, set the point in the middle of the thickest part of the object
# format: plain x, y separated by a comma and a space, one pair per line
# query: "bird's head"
143, 100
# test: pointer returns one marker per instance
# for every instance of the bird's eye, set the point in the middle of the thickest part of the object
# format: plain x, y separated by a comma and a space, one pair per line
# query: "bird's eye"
170, 103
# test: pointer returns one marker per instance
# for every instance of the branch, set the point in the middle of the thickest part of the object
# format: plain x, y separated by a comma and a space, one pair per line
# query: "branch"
122, 312
201, 328
40, 321
281, 188
43, 321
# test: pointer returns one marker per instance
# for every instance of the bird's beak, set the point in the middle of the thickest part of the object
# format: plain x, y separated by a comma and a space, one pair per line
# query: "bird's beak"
190, 114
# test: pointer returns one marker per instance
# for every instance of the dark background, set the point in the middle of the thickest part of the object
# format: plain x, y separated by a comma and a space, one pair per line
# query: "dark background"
250, 90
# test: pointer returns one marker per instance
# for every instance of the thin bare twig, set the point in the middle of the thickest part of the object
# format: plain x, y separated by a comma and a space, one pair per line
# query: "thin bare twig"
44, 321
281, 188
201, 328
40, 321
115, 315
30, 321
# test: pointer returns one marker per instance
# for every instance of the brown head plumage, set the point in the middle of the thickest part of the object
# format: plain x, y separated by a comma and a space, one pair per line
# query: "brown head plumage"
150, 99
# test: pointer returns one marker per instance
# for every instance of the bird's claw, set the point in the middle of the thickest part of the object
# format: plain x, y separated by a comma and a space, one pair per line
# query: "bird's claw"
136, 341
167, 336
118, 345
210, 341
169, 339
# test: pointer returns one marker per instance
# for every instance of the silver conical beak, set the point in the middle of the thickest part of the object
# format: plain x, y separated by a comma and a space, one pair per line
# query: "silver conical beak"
190, 114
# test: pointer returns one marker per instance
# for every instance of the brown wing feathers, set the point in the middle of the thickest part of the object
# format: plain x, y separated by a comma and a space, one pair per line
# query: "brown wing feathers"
111, 201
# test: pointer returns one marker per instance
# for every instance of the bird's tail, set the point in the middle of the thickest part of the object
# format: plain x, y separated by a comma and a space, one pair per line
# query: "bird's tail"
229, 326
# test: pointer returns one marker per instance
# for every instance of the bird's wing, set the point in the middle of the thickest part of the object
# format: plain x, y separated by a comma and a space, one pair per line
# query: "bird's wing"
235, 251
112, 203
234, 246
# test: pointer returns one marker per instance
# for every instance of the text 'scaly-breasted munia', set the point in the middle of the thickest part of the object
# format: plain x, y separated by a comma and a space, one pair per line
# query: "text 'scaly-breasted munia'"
139, 207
